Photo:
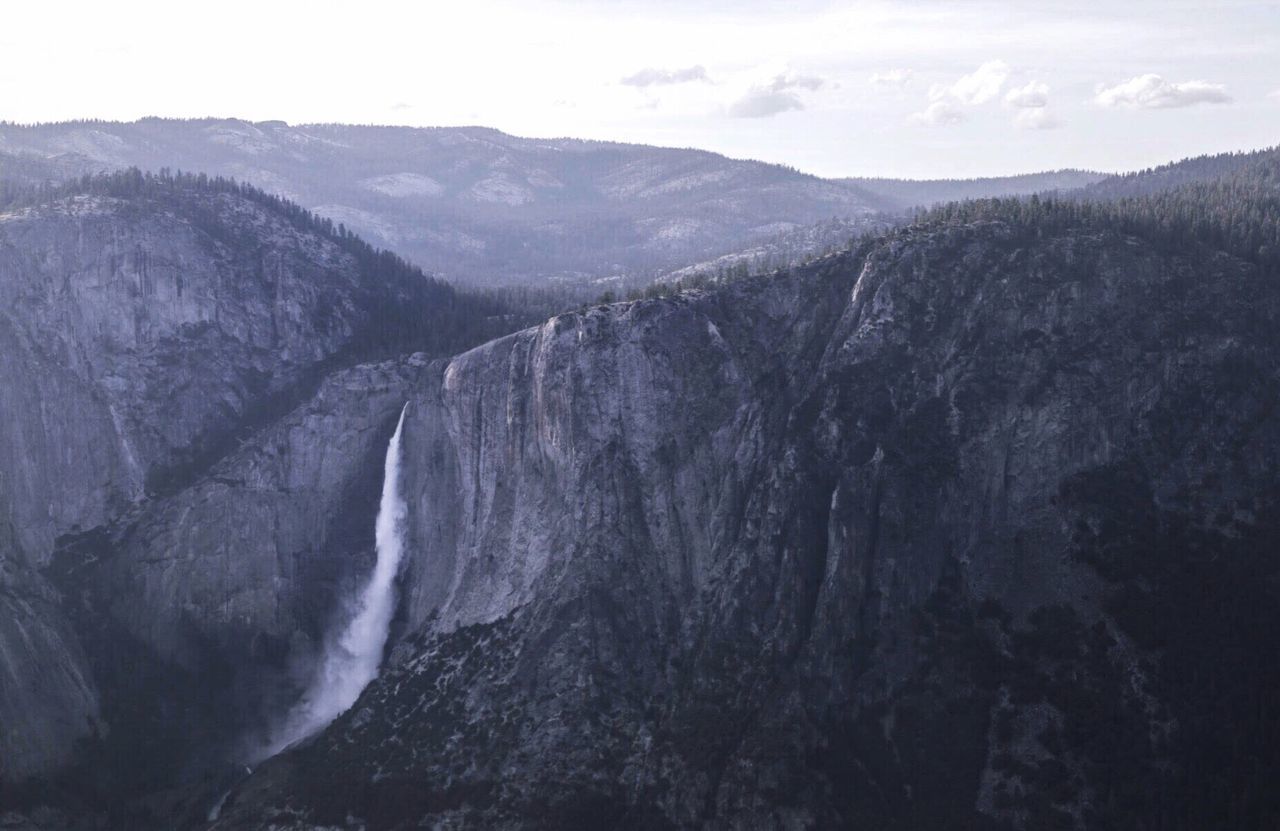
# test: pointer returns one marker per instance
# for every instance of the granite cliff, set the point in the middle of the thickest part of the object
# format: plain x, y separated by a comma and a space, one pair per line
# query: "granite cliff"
896, 540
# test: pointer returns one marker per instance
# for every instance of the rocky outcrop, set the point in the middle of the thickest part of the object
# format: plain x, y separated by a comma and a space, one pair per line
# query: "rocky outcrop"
896, 540
133, 332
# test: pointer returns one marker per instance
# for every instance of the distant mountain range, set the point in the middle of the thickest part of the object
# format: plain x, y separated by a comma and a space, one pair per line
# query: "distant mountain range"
473, 204
902, 194
480, 207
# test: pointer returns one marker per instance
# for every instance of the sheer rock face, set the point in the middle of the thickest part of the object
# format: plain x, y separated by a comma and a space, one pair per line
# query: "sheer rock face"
547, 438
131, 331
857, 545
48, 697
135, 338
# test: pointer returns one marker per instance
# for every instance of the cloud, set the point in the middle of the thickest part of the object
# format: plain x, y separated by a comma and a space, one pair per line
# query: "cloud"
760, 103
777, 96
809, 82
892, 78
401, 106
1036, 118
650, 77
1151, 92
948, 100
1275, 94
938, 114
1034, 94
978, 87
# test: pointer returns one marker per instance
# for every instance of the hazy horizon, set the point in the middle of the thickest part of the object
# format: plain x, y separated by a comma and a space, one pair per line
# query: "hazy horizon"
905, 90
1010, 174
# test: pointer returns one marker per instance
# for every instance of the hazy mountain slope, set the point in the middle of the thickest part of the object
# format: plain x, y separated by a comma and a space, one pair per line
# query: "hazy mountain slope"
19, 171
1175, 174
970, 528
792, 247
475, 204
901, 194
785, 249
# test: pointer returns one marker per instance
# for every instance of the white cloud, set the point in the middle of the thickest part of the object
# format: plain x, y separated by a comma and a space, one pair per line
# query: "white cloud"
1150, 92
938, 114
651, 76
948, 100
1036, 118
797, 82
777, 96
1034, 94
760, 103
892, 78
1275, 94
978, 87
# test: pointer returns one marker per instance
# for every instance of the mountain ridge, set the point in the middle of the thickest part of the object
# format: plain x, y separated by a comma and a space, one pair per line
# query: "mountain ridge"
474, 204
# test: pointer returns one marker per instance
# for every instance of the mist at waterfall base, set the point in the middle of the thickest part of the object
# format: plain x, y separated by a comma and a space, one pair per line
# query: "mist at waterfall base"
352, 658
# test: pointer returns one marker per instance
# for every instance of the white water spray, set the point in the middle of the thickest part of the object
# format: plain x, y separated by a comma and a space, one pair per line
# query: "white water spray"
351, 660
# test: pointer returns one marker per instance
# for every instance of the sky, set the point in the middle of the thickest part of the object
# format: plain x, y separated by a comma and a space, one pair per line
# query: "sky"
915, 88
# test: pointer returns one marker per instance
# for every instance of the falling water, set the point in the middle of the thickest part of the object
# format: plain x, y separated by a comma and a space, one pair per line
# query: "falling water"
351, 660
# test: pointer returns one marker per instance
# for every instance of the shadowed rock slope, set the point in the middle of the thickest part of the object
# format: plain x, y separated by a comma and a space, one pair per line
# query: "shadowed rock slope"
973, 527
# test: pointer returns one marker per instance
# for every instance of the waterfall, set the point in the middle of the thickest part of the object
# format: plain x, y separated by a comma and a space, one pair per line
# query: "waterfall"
351, 660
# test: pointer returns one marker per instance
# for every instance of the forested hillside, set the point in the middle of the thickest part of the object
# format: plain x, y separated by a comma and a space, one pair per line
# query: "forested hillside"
1230, 203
